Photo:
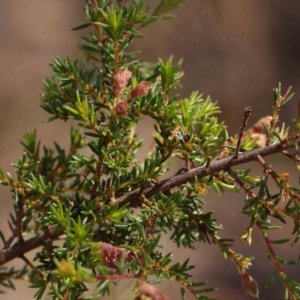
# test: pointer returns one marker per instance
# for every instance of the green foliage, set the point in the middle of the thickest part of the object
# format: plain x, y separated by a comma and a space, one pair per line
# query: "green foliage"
75, 197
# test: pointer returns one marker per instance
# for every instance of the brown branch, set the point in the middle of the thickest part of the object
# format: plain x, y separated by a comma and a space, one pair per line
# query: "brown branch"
247, 114
134, 198
18, 249
19, 218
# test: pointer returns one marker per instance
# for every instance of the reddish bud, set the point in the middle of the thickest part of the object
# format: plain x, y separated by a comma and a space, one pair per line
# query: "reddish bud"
121, 80
258, 130
121, 108
150, 291
258, 127
141, 89
250, 285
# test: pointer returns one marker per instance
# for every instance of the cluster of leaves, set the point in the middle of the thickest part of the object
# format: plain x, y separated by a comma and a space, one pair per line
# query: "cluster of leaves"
72, 196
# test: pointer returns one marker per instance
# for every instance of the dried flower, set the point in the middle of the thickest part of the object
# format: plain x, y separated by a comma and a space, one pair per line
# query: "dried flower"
121, 108
141, 89
121, 80
111, 254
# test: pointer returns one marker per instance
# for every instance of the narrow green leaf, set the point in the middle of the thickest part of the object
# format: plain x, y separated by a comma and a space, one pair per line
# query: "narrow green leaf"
82, 26
72, 110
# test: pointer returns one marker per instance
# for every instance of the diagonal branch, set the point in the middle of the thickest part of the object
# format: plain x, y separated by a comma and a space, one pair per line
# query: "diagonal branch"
134, 198
18, 249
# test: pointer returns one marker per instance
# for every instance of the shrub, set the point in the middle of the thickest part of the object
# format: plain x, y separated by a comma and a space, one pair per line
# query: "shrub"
110, 210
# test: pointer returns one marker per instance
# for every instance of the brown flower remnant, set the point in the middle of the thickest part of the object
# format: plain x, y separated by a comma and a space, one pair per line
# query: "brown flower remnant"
110, 254
141, 89
150, 291
250, 285
258, 130
121, 108
121, 80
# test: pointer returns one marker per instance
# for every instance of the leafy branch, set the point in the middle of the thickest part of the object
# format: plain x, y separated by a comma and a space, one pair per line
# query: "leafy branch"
107, 208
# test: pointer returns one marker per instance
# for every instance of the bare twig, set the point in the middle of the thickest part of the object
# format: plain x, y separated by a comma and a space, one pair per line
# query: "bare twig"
247, 114
10, 240
27, 261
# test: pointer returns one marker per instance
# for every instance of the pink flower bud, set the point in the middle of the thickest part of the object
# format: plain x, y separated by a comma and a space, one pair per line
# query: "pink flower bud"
258, 127
151, 292
141, 89
258, 130
121, 108
121, 80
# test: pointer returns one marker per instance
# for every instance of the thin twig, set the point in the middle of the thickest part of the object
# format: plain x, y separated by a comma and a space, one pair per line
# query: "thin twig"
247, 114
275, 118
268, 169
240, 183
276, 262
259, 226
289, 155
10, 240
27, 261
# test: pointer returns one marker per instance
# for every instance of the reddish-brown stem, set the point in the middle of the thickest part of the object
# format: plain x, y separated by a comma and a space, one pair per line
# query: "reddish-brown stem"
273, 254
270, 205
269, 246
66, 293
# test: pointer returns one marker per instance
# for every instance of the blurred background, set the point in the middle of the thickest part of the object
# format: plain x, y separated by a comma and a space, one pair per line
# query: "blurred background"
234, 51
